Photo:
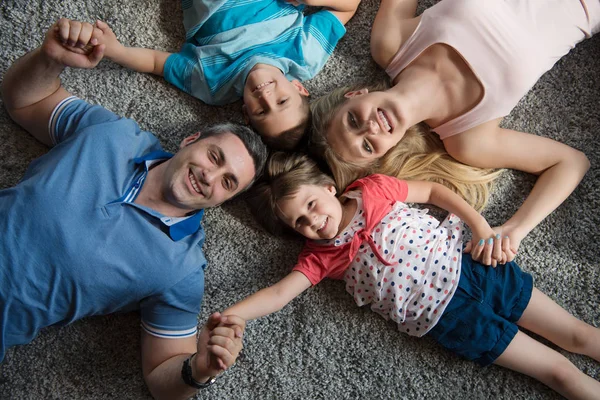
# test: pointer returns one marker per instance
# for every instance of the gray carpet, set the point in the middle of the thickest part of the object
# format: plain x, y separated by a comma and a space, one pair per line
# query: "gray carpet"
321, 346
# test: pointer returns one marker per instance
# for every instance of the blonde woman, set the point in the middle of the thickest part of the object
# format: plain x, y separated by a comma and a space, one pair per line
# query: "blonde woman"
459, 67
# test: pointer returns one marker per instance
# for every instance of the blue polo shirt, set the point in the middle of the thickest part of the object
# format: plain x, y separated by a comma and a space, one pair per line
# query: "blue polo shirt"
74, 244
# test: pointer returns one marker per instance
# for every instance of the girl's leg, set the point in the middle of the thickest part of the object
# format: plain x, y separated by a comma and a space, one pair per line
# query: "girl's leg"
546, 318
537, 360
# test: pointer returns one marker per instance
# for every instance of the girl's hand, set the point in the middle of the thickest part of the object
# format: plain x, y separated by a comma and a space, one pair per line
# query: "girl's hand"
219, 345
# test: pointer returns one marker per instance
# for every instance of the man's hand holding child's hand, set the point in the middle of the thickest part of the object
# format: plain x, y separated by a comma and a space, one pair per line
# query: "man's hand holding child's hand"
219, 345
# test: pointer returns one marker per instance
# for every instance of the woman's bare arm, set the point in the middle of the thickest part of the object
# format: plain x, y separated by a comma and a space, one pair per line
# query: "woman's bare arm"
394, 23
559, 167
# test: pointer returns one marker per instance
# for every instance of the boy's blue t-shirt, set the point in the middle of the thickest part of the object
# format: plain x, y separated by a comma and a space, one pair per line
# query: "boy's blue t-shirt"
75, 245
226, 39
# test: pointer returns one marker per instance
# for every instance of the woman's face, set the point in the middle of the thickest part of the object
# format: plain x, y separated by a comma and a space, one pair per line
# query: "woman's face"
366, 126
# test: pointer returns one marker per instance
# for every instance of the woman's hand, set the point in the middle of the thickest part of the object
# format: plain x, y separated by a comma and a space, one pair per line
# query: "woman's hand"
486, 245
500, 248
511, 239
486, 250
559, 167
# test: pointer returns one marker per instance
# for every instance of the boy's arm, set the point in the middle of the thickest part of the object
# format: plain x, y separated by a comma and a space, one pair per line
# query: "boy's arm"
271, 299
342, 9
135, 58
487, 250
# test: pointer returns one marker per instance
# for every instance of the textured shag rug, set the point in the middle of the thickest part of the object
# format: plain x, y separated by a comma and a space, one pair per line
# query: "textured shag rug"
321, 346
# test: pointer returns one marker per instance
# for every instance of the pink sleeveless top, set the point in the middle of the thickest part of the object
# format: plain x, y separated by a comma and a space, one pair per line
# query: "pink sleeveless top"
508, 45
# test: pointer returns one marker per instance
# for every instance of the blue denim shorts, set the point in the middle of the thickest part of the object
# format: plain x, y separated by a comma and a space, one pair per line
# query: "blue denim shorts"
480, 320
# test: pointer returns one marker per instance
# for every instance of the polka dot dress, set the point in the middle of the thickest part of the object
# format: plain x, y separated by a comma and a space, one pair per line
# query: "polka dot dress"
423, 258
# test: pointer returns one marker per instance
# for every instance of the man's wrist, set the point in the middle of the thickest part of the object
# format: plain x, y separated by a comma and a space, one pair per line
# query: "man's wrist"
48, 65
196, 374
187, 375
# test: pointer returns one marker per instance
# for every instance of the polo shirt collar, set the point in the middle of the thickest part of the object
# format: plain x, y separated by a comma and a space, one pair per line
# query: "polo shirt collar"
178, 227
152, 156
186, 226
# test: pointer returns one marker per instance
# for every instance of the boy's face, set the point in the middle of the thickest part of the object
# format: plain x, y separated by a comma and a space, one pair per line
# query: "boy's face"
272, 104
314, 212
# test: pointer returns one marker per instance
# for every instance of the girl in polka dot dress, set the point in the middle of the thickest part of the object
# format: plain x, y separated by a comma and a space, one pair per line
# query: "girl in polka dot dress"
409, 267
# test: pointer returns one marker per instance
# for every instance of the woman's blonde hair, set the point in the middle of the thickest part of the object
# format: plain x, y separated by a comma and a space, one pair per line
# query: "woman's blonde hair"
420, 155
284, 174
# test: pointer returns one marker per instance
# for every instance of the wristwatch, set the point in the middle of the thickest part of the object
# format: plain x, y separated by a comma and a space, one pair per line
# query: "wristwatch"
186, 375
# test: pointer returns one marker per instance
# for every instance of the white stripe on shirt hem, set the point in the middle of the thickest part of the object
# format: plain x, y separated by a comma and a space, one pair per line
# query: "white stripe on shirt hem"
57, 110
162, 333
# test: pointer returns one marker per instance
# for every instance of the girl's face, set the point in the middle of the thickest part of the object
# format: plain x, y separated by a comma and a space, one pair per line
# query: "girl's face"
314, 212
366, 126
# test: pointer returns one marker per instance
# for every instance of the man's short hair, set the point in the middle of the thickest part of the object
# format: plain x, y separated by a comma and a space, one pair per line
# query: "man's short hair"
252, 141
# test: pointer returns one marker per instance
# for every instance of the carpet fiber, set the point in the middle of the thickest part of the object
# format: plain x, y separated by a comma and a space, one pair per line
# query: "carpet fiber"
321, 346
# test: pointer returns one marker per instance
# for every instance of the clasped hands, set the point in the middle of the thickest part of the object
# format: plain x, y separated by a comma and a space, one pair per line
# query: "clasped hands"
79, 44
498, 248
219, 345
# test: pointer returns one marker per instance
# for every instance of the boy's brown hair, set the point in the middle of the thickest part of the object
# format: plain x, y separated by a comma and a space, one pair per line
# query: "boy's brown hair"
296, 137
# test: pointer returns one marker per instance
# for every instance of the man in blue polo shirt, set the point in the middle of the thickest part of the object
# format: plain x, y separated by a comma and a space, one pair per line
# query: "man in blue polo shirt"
107, 221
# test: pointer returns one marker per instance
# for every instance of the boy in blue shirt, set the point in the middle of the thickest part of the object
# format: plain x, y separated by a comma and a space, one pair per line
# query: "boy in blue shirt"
256, 50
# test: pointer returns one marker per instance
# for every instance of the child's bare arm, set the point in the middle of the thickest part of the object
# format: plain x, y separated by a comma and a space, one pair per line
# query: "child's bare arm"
487, 248
136, 58
342, 9
271, 299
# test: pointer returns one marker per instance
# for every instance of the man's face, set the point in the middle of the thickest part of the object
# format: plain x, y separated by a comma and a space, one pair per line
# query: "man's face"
272, 104
205, 173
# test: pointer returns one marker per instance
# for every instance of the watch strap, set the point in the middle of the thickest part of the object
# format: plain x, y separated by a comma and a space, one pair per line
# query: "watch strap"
188, 378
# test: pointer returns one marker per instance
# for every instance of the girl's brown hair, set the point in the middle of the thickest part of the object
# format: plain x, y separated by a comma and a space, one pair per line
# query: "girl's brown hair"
420, 155
284, 174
